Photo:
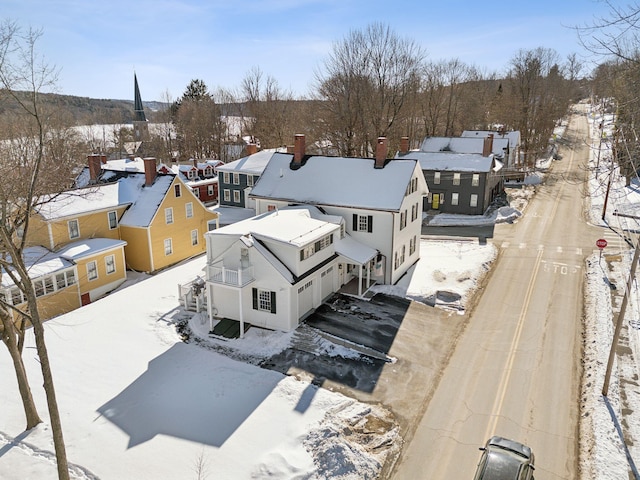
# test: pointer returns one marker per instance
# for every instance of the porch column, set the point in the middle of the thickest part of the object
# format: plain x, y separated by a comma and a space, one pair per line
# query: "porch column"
369, 273
240, 311
210, 305
360, 280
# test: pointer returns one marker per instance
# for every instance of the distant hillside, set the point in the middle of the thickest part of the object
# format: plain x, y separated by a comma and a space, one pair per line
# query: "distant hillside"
88, 111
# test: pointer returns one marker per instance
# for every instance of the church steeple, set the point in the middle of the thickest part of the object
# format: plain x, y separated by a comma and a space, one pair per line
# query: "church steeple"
139, 110
140, 125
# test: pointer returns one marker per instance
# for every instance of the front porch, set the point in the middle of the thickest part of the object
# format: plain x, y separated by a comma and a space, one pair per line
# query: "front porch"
359, 288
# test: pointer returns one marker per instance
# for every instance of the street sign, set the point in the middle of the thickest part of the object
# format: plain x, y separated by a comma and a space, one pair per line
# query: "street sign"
601, 243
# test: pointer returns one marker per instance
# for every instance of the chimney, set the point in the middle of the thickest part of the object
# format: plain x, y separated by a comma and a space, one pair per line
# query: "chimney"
252, 148
381, 152
94, 167
195, 162
103, 159
487, 147
150, 171
290, 149
298, 148
404, 145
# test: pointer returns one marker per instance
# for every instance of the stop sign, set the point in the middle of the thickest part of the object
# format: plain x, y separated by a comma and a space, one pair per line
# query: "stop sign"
601, 243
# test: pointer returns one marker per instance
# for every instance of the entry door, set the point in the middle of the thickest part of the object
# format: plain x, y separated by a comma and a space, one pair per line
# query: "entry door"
435, 201
85, 299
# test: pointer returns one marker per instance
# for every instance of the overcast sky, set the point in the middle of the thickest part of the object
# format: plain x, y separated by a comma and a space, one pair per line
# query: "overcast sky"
98, 45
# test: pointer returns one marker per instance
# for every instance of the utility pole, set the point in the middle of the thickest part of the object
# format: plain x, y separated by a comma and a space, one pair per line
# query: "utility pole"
623, 308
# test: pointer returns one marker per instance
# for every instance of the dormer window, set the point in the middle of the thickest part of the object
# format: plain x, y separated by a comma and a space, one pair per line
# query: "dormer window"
315, 247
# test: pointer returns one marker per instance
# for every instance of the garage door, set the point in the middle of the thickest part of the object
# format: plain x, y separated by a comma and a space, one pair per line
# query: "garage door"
305, 298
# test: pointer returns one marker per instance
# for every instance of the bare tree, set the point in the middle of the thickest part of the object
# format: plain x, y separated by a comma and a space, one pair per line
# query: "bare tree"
271, 111
26, 164
369, 78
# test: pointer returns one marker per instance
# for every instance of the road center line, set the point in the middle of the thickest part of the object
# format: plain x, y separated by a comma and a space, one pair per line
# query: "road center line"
504, 382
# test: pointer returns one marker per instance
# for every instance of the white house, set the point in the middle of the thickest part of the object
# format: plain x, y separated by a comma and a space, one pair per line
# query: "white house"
379, 199
274, 269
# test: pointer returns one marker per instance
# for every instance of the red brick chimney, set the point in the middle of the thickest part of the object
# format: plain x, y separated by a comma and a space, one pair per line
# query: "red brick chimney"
195, 162
298, 148
252, 148
487, 147
404, 144
150, 171
381, 152
94, 162
103, 159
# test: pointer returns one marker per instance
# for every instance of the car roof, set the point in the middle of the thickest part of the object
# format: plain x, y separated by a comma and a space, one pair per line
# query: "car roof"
501, 465
511, 445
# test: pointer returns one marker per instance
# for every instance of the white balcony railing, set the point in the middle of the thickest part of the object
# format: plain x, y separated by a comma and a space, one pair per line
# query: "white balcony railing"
228, 276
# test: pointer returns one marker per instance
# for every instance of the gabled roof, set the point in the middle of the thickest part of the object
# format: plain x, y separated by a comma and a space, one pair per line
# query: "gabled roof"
253, 164
336, 181
127, 190
462, 145
513, 136
457, 162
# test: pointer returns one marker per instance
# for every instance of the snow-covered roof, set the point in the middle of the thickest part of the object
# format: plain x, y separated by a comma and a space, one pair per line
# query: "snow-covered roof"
337, 181
457, 162
462, 145
89, 247
147, 199
513, 136
253, 164
83, 200
229, 215
292, 226
125, 165
354, 251
39, 261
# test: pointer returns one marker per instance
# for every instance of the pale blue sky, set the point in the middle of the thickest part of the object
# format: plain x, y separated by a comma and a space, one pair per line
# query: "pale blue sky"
99, 44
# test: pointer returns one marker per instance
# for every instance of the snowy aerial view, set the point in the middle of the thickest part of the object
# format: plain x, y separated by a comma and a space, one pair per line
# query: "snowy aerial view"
144, 392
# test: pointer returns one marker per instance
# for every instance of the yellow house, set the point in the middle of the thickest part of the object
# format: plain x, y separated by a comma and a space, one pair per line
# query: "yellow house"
55, 282
165, 224
100, 266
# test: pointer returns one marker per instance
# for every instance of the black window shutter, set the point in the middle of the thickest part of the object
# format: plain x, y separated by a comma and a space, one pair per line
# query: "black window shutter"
273, 302
370, 224
301, 255
355, 222
254, 293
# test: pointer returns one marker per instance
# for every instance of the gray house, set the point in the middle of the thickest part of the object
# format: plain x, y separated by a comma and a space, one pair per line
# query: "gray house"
462, 183
236, 179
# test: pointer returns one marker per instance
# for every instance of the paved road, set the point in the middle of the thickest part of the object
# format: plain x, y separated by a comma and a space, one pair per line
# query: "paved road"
516, 367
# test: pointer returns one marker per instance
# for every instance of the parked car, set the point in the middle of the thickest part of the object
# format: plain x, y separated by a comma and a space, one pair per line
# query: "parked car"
504, 459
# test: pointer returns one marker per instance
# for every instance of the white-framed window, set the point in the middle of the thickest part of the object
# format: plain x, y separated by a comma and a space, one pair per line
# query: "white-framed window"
110, 264
194, 237
236, 196
208, 172
196, 192
436, 178
315, 247
191, 174
236, 179
264, 300
412, 245
38, 287
177, 191
168, 215
168, 246
113, 219
250, 180
403, 219
362, 223
454, 198
71, 277
271, 208
475, 180
402, 255
92, 270
226, 195
474, 200
456, 178
188, 209
225, 177
210, 190
74, 229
